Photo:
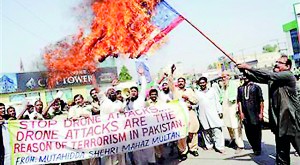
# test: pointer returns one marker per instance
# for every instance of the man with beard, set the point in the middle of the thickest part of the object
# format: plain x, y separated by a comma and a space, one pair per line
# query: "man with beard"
153, 101
137, 101
2, 113
190, 99
210, 114
95, 102
284, 112
251, 108
165, 93
110, 104
80, 109
230, 112
11, 113
119, 95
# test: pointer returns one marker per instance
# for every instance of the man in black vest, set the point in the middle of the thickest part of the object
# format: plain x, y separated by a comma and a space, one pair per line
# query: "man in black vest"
251, 108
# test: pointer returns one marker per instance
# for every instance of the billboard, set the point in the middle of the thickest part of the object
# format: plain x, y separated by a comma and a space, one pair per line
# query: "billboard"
38, 80
295, 41
106, 75
8, 83
297, 14
31, 80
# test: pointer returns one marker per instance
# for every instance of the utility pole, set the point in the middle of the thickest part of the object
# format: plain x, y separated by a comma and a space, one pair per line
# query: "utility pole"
243, 55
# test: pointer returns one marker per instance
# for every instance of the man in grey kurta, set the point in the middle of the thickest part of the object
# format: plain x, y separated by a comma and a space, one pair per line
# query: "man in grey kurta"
284, 112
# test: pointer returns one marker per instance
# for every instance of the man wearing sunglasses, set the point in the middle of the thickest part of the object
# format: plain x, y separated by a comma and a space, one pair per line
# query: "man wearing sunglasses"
284, 112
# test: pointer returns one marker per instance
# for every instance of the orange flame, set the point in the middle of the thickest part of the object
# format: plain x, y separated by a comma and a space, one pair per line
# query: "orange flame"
119, 27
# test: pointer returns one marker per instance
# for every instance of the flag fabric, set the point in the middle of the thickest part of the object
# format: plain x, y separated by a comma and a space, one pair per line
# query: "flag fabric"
142, 62
165, 19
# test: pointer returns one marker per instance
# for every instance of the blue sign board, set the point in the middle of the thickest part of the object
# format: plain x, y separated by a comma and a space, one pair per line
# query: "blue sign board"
8, 83
295, 41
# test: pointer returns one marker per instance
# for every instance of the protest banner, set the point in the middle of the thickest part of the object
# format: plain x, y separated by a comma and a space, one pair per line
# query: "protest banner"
51, 141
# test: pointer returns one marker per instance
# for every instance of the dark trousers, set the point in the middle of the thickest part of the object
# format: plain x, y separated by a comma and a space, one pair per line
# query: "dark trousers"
253, 133
2, 153
1, 159
1, 156
283, 148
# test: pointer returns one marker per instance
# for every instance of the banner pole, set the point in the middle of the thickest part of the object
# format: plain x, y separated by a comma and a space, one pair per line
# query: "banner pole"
226, 54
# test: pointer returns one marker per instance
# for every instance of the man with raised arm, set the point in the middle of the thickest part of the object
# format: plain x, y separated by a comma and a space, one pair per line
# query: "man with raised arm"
284, 112
188, 96
137, 101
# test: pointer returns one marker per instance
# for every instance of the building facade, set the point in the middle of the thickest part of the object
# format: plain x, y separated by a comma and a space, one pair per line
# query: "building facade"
293, 35
16, 88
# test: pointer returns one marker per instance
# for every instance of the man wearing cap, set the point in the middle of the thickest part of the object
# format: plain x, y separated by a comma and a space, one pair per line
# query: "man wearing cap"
165, 94
110, 104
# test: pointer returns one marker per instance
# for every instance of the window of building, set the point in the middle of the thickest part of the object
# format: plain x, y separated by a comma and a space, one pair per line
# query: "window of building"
67, 95
30, 96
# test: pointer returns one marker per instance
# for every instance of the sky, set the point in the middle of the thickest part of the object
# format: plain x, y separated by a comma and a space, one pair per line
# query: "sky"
237, 26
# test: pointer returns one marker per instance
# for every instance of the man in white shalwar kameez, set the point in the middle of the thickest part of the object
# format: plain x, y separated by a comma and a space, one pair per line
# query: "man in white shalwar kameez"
210, 114
230, 111
110, 104
137, 101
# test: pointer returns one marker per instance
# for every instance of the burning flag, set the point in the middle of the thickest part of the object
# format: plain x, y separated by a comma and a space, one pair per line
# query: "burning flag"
165, 19
119, 27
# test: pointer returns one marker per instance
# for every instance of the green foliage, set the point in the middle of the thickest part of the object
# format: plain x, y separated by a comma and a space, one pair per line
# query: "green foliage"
215, 65
124, 74
212, 66
269, 48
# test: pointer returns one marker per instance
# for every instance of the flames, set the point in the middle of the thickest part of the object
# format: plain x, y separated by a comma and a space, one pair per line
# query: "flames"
119, 27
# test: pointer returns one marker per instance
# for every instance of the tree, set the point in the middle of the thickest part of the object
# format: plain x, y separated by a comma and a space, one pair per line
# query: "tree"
210, 66
213, 65
124, 74
269, 48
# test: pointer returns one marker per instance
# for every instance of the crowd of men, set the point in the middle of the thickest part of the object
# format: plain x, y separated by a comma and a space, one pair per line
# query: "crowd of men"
212, 108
